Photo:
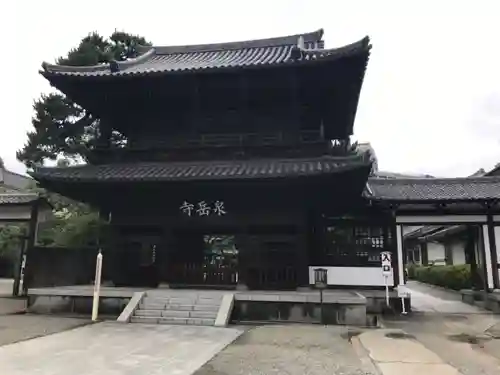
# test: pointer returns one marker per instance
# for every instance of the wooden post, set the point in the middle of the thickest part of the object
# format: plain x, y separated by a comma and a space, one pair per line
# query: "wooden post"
97, 286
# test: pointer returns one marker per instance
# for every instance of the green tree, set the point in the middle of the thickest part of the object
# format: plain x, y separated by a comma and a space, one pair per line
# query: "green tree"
63, 128
73, 224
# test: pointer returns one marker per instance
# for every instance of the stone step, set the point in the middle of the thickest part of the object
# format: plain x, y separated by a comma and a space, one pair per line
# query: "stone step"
172, 320
192, 307
182, 307
183, 301
177, 314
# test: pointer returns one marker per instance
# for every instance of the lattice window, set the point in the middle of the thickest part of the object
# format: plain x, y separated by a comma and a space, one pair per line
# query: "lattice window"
354, 245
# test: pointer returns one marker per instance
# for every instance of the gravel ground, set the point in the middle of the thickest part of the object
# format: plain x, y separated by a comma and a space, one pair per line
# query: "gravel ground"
15, 328
288, 350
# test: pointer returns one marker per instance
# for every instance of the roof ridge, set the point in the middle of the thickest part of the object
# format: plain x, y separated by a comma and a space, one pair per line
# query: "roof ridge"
433, 179
310, 37
20, 193
147, 52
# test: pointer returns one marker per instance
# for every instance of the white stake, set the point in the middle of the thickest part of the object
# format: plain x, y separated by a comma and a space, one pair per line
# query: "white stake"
403, 306
97, 286
387, 292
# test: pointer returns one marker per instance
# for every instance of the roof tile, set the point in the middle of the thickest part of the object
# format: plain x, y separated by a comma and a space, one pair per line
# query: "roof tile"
435, 189
20, 198
205, 170
272, 51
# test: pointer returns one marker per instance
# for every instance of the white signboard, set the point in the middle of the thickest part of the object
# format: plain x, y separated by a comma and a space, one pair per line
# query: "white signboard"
386, 263
203, 208
403, 292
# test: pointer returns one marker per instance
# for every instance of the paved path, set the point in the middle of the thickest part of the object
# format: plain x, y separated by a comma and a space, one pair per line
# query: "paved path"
396, 353
114, 348
456, 332
427, 299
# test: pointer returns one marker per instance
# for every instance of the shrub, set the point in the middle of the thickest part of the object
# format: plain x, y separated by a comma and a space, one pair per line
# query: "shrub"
452, 277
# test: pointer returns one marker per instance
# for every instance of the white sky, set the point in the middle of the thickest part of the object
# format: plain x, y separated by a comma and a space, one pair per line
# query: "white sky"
431, 98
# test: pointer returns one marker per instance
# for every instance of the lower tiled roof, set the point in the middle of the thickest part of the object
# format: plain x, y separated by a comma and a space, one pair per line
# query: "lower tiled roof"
205, 170
18, 198
435, 189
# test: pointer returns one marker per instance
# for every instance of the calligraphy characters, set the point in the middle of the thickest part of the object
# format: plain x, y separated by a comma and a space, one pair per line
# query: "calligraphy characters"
203, 208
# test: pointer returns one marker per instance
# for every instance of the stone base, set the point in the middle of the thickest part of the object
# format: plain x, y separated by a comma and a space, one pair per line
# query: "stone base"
75, 305
292, 312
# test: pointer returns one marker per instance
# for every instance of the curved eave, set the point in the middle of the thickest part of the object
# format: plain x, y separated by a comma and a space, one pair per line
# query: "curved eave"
196, 172
296, 55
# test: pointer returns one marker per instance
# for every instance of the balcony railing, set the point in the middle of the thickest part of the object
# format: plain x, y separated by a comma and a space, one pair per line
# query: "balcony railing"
229, 140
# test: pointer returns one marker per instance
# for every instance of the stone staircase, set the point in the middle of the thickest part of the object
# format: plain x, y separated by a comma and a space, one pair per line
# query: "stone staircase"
178, 307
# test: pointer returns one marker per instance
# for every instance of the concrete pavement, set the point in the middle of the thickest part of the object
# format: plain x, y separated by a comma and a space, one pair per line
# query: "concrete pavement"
113, 348
455, 332
397, 353
427, 299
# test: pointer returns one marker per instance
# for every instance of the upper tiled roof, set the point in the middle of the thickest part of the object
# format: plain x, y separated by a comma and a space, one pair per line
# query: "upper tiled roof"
18, 198
434, 189
298, 48
206, 170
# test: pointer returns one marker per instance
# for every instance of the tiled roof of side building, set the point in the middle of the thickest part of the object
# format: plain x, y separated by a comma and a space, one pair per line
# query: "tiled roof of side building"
434, 189
300, 48
17, 198
196, 170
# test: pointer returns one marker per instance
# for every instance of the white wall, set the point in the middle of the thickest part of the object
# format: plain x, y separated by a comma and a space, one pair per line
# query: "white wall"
21, 212
458, 252
356, 276
435, 252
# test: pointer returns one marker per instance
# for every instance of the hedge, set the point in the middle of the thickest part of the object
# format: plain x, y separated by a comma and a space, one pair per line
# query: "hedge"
452, 277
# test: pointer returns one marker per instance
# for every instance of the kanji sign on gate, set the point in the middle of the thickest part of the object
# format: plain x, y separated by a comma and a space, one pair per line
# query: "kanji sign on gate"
203, 208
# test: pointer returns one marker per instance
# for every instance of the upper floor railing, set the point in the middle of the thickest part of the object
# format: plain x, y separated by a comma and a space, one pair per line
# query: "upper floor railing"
225, 140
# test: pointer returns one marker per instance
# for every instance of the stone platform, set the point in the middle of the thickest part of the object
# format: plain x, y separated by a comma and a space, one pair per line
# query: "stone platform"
339, 306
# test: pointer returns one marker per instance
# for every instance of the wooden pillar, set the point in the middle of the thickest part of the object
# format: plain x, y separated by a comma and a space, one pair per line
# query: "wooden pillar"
242, 242
306, 245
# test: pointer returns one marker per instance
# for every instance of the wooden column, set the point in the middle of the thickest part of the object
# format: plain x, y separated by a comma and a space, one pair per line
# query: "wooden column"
306, 245
424, 255
243, 245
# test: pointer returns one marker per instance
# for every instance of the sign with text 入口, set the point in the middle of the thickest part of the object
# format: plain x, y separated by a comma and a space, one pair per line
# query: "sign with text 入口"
386, 263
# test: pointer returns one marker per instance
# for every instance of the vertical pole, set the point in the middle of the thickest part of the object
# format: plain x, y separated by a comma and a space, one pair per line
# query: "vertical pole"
321, 306
494, 252
97, 286
30, 244
387, 291
487, 258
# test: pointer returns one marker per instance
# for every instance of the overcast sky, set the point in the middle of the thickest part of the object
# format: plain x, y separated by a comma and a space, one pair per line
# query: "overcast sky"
431, 98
